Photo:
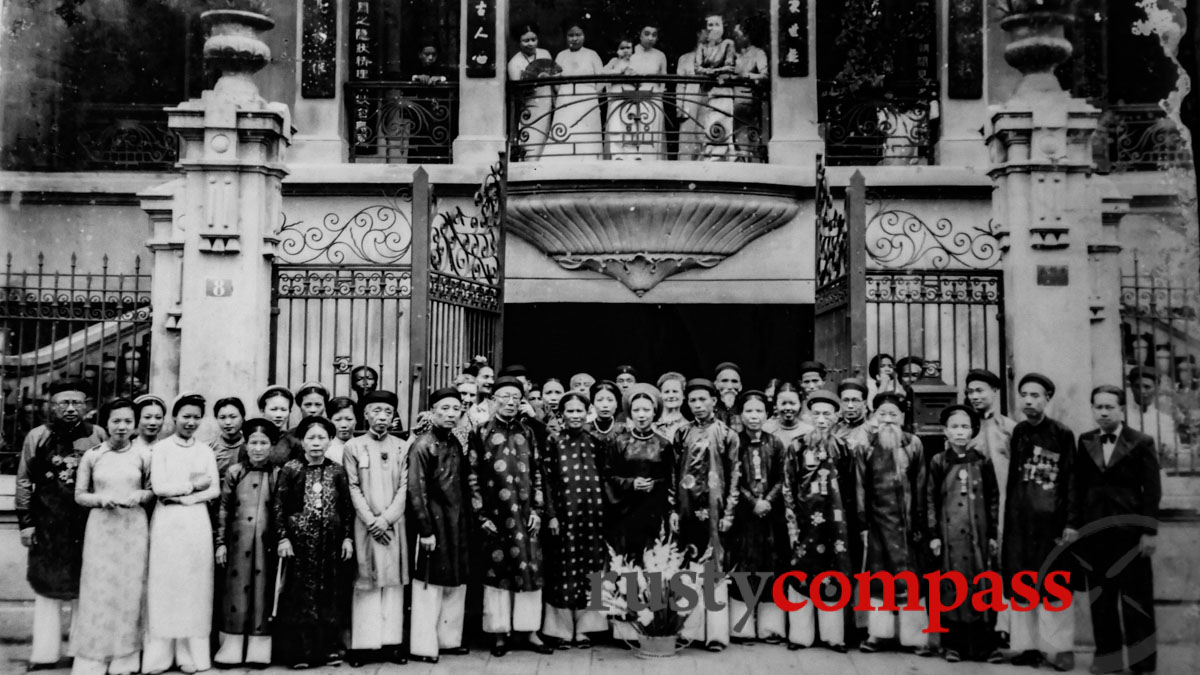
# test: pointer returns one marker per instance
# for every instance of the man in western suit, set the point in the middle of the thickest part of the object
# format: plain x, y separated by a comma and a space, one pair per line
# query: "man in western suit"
1117, 489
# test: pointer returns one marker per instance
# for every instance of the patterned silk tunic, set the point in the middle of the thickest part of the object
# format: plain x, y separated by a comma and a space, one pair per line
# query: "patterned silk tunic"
574, 496
506, 488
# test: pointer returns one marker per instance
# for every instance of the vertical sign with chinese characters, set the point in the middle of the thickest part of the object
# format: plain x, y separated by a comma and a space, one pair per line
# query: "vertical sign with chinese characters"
793, 38
481, 38
318, 48
362, 37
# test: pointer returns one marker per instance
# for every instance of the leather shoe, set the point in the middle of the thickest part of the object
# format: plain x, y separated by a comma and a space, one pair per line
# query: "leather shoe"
1063, 662
423, 659
1029, 657
456, 651
500, 648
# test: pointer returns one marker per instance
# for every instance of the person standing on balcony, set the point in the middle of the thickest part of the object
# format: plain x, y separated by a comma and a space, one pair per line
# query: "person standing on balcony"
649, 143
576, 131
179, 596
376, 466
751, 64
52, 524
687, 103
716, 58
537, 110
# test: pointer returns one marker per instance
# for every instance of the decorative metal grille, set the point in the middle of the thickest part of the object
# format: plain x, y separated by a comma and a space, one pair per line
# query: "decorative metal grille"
898, 239
1141, 137
90, 325
1161, 330
379, 234
832, 233
399, 123
892, 131
636, 117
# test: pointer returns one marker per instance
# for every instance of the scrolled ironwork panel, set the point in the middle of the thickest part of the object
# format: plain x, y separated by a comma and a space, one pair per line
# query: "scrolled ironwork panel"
456, 291
833, 253
898, 239
402, 122
380, 234
351, 282
939, 288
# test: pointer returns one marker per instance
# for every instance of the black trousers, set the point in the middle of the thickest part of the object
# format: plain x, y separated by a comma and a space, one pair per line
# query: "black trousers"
1122, 609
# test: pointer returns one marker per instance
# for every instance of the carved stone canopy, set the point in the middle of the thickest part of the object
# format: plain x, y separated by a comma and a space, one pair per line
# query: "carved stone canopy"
640, 235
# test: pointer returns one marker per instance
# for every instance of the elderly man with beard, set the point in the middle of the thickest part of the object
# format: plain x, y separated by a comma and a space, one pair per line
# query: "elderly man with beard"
891, 487
709, 474
1036, 510
52, 524
728, 381
507, 500
817, 523
437, 482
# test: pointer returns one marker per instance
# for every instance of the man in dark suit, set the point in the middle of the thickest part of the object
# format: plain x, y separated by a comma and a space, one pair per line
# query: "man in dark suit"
1114, 503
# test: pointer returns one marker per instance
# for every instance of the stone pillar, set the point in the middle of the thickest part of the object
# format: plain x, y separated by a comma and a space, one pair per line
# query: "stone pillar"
1041, 153
963, 107
482, 110
166, 301
213, 256
795, 133
1104, 258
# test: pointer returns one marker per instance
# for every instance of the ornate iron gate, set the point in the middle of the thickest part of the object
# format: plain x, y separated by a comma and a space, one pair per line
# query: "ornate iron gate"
839, 323
458, 289
935, 292
341, 290
1161, 330
89, 325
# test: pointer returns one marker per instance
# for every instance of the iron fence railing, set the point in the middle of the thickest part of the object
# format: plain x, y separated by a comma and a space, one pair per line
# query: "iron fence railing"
401, 122
1139, 137
100, 137
898, 130
632, 117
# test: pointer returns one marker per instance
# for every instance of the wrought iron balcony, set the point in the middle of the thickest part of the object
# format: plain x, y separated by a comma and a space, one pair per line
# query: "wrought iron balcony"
99, 137
631, 117
897, 130
1139, 137
401, 122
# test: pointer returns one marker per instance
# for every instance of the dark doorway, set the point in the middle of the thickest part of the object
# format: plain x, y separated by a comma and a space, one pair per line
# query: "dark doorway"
561, 339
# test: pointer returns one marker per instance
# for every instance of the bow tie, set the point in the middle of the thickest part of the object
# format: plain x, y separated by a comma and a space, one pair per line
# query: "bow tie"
1106, 439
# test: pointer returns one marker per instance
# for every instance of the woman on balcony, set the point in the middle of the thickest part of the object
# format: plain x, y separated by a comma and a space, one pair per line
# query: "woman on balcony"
687, 103
751, 64
716, 57
576, 128
635, 125
531, 61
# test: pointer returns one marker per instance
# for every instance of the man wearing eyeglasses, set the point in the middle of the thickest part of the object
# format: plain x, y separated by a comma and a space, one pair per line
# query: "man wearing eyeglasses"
51, 523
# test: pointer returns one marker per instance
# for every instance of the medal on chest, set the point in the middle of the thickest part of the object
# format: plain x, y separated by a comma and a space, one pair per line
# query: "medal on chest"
318, 493
963, 481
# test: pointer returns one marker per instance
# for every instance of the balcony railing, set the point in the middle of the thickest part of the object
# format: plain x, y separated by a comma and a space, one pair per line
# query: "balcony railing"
1139, 137
625, 117
401, 122
100, 136
893, 131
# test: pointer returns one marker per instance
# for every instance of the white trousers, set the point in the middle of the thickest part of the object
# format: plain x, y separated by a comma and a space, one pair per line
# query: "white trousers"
709, 626
1003, 620
1047, 632
437, 618
806, 623
767, 620
506, 611
377, 618
48, 629
122, 665
190, 654
883, 625
567, 624
257, 649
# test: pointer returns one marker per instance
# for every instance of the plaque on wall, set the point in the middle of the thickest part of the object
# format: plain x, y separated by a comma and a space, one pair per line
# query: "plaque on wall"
793, 38
481, 38
965, 49
318, 49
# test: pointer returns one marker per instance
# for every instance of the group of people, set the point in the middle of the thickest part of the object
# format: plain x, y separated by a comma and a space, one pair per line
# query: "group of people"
313, 543
718, 119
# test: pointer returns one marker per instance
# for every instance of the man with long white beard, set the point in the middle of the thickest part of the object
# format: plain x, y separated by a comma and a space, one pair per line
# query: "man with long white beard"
891, 482
817, 524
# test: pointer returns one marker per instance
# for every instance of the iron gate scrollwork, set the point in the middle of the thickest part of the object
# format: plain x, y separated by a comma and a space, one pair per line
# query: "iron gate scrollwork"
458, 280
839, 313
342, 288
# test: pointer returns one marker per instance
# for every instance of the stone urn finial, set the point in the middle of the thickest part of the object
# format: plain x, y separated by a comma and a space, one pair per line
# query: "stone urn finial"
1039, 43
235, 48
